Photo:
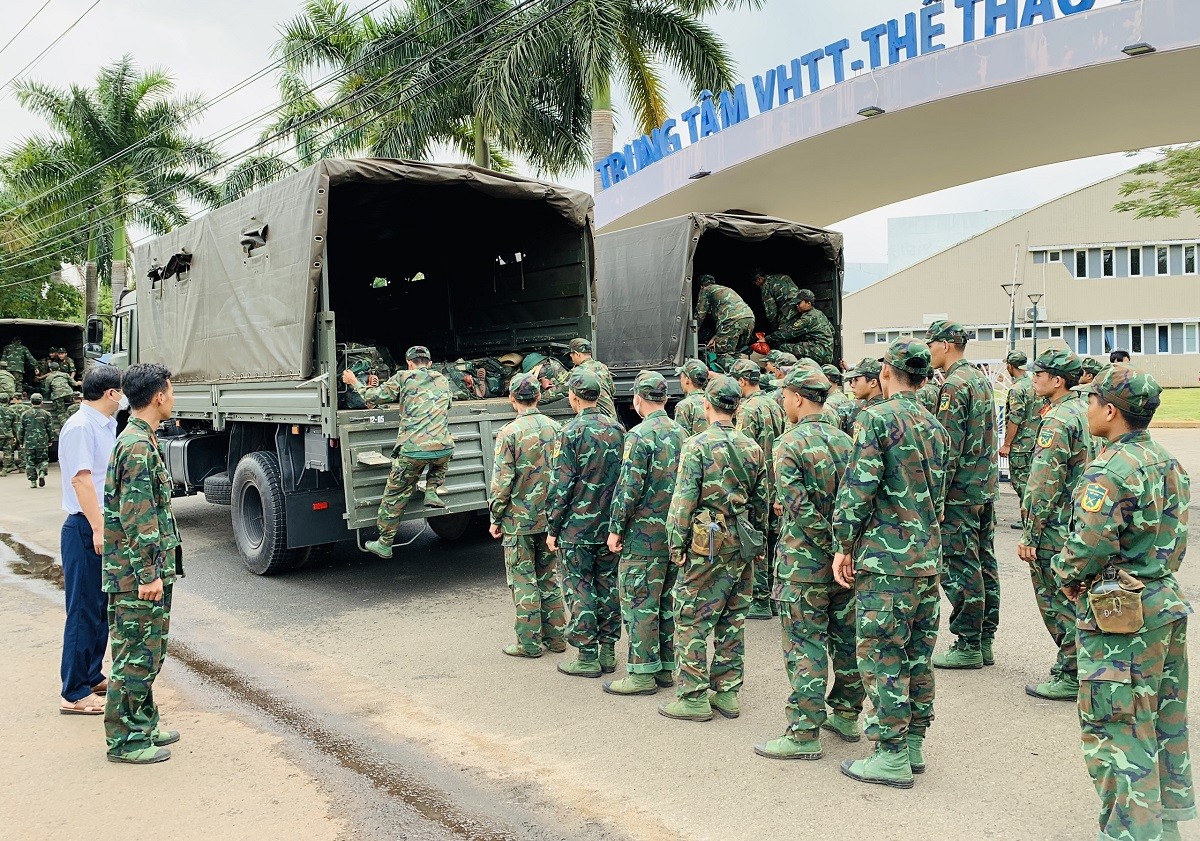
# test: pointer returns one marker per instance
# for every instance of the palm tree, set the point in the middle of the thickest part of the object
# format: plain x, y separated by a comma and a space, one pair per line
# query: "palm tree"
118, 154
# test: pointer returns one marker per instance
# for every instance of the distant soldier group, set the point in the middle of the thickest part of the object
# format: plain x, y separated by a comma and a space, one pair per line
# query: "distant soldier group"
36, 398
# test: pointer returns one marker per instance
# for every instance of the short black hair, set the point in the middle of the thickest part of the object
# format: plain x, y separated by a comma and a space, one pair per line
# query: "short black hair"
1119, 356
906, 378
142, 381
99, 380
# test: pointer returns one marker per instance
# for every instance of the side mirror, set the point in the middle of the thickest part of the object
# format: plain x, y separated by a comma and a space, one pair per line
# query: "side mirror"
95, 331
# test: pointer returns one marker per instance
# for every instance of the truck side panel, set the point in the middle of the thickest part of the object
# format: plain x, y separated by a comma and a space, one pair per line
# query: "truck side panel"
266, 402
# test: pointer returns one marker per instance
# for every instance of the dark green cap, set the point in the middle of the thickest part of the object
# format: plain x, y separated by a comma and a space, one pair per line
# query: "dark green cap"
810, 382
1017, 358
696, 371
1091, 365
650, 385
524, 387
581, 345
806, 295
835, 376
744, 369
35, 398
53, 366
1060, 362
867, 367
531, 361
910, 356
1128, 389
417, 352
723, 393
706, 279
946, 331
584, 384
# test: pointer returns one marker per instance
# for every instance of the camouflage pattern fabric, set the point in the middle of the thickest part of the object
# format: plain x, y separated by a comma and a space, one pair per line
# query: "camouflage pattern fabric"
584, 471
761, 419
839, 406
805, 334
779, 294
8, 437
648, 611
139, 631
733, 321
689, 414
8, 383
1022, 407
401, 483
35, 430
971, 577
590, 575
21, 363
552, 370
731, 337
423, 396
67, 366
856, 408
532, 573
607, 388
1131, 510
967, 409
927, 396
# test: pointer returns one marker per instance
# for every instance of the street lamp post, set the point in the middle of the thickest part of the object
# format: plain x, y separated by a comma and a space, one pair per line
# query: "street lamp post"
1034, 299
1011, 290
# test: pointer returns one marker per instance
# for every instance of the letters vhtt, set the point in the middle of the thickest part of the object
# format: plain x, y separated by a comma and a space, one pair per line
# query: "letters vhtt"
918, 33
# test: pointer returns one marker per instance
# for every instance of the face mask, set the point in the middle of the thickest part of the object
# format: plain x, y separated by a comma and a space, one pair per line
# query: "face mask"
123, 404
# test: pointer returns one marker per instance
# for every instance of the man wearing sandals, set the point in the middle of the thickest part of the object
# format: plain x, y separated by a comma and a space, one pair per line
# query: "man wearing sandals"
141, 554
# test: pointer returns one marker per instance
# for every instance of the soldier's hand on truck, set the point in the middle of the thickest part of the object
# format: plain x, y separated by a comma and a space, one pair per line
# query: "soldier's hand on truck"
494, 531
348, 377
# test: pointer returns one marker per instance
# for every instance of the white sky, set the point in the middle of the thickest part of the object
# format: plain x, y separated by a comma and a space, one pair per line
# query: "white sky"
211, 45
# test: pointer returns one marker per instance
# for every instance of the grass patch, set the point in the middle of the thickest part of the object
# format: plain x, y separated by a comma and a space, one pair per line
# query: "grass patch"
1179, 404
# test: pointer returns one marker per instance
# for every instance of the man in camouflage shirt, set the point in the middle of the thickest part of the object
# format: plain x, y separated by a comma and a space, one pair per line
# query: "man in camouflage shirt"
1064, 448
760, 418
517, 509
553, 377
1131, 519
779, 295
733, 320
1091, 368
141, 562
8, 383
637, 530
35, 430
864, 382
817, 614
689, 412
424, 444
20, 361
971, 576
888, 542
805, 331
61, 389
719, 504
65, 363
8, 435
586, 463
839, 406
581, 358
1022, 414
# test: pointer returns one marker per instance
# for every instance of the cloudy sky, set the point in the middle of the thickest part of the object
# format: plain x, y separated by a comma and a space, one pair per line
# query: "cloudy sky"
212, 45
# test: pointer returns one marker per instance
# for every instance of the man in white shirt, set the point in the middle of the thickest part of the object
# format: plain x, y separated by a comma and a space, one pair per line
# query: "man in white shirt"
84, 447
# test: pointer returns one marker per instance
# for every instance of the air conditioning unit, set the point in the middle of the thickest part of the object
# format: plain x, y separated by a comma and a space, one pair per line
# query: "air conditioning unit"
1035, 314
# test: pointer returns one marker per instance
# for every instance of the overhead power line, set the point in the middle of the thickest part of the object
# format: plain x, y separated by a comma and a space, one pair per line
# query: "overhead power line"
49, 47
25, 26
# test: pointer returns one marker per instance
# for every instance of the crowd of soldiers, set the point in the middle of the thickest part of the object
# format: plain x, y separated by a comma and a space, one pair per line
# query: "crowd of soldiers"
36, 398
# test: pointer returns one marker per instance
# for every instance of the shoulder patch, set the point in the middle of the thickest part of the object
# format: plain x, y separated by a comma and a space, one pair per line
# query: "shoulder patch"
945, 404
1094, 497
1045, 438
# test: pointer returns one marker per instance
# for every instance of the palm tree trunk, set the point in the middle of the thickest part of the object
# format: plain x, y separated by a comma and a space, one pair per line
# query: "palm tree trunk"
482, 154
602, 128
118, 264
91, 290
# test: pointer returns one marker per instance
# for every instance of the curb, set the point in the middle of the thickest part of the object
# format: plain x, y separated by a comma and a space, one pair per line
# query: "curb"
1175, 424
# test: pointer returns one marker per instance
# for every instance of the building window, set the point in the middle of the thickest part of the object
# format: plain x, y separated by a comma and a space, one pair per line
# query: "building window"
1055, 256
1081, 263
1108, 263
1026, 332
1189, 338
1163, 267
881, 338
1081, 340
1135, 338
1110, 339
1164, 338
1189, 259
1135, 262
1039, 257
999, 335
1056, 332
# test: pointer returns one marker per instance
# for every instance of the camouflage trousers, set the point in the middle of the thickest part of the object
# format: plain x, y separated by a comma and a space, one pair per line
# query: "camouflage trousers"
37, 461
731, 337
764, 566
138, 630
1058, 612
819, 625
590, 578
712, 598
970, 574
648, 610
533, 579
1018, 473
1133, 714
819, 352
8, 455
401, 483
897, 621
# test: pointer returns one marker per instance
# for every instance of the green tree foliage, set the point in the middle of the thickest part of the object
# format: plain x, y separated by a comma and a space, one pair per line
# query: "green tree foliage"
1166, 187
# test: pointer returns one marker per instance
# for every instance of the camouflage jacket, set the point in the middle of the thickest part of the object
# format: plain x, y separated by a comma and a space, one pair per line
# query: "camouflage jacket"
967, 410
521, 473
762, 420
423, 396
552, 369
586, 463
723, 304
890, 503
839, 407
20, 360
710, 480
58, 385
1131, 510
607, 388
1064, 448
645, 485
927, 396
140, 534
856, 407
689, 414
810, 460
8, 383
35, 428
67, 366
779, 294
1023, 407
8, 423
811, 326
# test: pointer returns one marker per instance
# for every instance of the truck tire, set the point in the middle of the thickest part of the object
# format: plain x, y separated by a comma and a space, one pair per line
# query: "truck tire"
452, 526
259, 522
218, 489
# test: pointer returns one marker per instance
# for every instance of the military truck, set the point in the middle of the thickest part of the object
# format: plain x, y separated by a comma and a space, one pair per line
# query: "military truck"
648, 281
39, 336
257, 306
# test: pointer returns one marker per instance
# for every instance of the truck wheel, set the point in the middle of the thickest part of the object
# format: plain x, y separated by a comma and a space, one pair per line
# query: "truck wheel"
451, 526
218, 489
259, 524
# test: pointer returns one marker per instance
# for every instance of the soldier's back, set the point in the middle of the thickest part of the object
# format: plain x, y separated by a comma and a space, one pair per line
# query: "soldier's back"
730, 463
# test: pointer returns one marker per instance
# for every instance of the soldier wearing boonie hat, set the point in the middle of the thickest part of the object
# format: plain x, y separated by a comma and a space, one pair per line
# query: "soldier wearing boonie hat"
689, 412
581, 358
1022, 415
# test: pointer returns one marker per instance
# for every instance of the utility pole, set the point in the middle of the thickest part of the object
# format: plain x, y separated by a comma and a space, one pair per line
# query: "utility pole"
1034, 299
1011, 290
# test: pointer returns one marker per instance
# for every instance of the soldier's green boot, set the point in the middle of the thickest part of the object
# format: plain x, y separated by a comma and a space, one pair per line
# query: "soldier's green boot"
580, 668
1170, 831
33, 484
959, 657
162, 738
884, 767
985, 651
608, 657
687, 710
759, 609
1058, 688
142, 756
791, 746
726, 703
518, 650
433, 498
378, 547
558, 646
845, 728
916, 752
632, 685
665, 678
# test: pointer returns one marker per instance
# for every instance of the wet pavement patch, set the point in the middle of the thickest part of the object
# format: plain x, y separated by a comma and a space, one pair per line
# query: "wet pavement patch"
30, 564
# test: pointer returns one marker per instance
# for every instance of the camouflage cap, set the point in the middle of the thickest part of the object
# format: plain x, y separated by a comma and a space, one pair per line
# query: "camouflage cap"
53, 366
524, 387
3, 364
806, 295
723, 393
581, 345
946, 331
786, 358
695, 370
706, 280
866, 367
1060, 362
1128, 389
584, 384
809, 382
531, 361
1017, 358
910, 356
744, 369
417, 352
550, 368
651, 385
835, 376
35, 398
1091, 365
5, 397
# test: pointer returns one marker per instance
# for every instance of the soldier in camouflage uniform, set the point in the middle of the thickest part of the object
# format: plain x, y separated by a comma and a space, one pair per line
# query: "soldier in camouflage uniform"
581, 358
733, 320
553, 377
1091, 368
779, 295
637, 529
864, 382
141, 562
423, 442
888, 544
1131, 518
715, 529
586, 464
837, 404
689, 412
34, 432
928, 396
1064, 448
19, 409
65, 363
818, 615
8, 435
517, 507
76, 402
61, 389
1022, 414
805, 331
971, 577
8, 383
20, 361
761, 419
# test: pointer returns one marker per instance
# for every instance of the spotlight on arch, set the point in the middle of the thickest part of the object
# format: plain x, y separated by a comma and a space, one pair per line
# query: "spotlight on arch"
871, 111
1141, 48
